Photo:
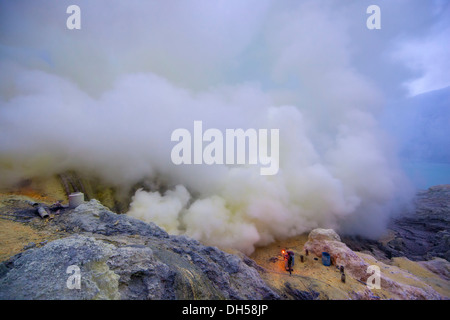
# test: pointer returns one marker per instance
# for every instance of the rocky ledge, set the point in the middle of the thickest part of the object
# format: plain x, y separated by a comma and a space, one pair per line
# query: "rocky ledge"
422, 234
120, 257
116, 256
357, 266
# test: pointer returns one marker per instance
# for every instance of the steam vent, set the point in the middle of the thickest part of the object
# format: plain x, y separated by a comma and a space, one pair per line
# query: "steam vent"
230, 157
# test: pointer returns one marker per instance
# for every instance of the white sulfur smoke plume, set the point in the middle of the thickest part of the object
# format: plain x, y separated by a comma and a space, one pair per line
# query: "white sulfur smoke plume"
105, 99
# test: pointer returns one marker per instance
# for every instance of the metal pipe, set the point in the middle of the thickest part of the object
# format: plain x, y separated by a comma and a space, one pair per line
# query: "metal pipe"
42, 212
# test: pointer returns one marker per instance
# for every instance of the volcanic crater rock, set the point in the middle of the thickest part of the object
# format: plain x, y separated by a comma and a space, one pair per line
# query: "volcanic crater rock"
327, 240
120, 257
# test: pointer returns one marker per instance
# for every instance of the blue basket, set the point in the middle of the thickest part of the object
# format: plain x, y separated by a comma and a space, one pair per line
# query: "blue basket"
326, 259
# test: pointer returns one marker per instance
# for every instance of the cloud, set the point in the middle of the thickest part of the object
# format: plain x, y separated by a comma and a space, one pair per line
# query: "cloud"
429, 57
105, 99
426, 53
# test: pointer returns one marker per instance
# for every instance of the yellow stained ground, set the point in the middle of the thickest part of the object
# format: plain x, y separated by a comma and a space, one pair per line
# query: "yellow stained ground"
15, 235
308, 275
312, 274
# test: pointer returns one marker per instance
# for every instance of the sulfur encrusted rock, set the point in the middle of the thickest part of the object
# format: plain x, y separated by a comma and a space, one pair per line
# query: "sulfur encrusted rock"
326, 240
323, 234
120, 257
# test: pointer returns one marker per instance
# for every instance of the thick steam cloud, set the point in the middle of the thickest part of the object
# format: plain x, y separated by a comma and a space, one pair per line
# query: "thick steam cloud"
105, 99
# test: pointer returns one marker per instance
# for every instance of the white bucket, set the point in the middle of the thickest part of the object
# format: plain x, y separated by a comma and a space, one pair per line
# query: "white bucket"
75, 199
